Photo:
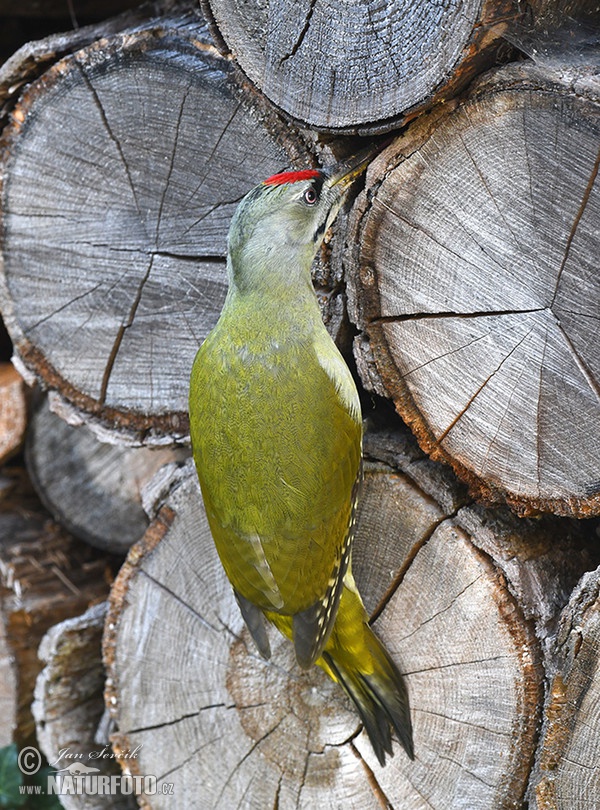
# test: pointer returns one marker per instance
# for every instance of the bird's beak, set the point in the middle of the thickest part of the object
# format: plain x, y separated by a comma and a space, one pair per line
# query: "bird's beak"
343, 174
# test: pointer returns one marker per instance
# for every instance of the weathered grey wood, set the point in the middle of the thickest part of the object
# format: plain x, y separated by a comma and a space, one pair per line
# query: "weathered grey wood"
472, 273
46, 576
92, 488
234, 729
567, 776
68, 706
359, 66
122, 167
13, 411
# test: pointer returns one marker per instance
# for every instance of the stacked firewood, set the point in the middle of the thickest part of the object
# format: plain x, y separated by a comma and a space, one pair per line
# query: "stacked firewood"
460, 282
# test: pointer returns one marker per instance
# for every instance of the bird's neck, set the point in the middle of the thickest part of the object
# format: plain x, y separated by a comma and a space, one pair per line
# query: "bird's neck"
286, 309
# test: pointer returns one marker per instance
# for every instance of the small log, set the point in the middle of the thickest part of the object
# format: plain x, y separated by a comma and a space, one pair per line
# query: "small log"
129, 221
570, 741
13, 411
91, 488
359, 67
68, 706
471, 272
45, 576
232, 726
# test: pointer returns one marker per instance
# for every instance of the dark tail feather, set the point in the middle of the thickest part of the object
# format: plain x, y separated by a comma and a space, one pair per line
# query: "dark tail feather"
381, 699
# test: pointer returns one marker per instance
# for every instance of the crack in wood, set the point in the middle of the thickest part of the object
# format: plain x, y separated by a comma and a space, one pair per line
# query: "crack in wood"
378, 791
459, 416
451, 719
401, 573
215, 207
442, 610
178, 599
418, 316
486, 185
302, 35
581, 364
121, 334
175, 721
248, 753
51, 315
111, 135
586, 196
436, 241
171, 163
451, 664
208, 160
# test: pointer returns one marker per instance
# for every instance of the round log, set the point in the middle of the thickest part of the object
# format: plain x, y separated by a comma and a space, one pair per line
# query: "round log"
121, 168
219, 725
472, 273
68, 707
570, 743
91, 488
359, 67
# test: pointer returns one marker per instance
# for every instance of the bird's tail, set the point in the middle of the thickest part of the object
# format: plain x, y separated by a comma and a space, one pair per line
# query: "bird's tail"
358, 661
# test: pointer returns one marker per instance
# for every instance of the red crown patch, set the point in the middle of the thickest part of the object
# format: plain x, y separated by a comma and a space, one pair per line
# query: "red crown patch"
290, 177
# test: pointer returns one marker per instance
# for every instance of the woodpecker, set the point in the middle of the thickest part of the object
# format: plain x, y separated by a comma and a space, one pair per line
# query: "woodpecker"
276, 430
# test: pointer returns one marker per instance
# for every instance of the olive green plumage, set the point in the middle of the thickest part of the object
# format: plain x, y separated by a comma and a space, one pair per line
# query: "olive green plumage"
276, 433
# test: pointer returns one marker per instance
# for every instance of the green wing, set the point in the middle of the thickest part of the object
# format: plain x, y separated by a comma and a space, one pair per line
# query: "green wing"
277, 444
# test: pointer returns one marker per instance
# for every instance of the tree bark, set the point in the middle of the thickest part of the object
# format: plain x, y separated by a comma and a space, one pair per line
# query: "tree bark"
472, 274
92, 488
460, 623
123, 164
359, 67
566, 774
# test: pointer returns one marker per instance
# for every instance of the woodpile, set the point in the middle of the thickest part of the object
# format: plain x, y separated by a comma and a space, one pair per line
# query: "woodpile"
462, 284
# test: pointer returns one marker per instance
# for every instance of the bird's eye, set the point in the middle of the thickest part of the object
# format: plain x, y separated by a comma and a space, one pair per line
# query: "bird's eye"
310, 196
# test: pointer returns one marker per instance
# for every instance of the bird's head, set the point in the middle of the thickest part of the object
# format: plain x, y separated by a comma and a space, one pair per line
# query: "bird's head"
279, 225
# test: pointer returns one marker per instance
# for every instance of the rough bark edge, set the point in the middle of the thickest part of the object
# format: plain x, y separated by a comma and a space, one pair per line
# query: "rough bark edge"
365, 306
137, 427
564, 698
117, 604
480, 52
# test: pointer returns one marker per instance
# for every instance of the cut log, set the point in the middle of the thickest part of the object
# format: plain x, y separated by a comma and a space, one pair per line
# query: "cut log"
122, 167
68, 706
570, 743
91, 488
45, 576
13, 411
231, 727
472, 273
359, 67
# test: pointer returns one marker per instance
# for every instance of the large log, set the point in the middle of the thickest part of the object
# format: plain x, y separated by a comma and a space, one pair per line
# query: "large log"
359, 67
92, 488
221, 725
122, 166
472, 273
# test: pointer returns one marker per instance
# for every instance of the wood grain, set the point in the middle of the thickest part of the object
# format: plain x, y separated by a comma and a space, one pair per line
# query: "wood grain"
122, 167
361, 66
232, 728
473, 276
